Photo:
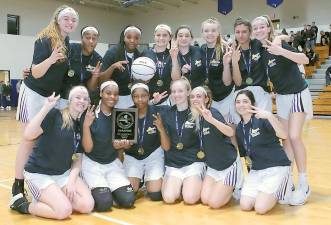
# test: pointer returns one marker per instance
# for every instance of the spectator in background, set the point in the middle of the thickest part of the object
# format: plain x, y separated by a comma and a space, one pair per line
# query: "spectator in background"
291, 35
314, 28
324, 38
6, 96
2, 84
309, 37
284, 32
311, 56
328, 76
298, 41
329, 39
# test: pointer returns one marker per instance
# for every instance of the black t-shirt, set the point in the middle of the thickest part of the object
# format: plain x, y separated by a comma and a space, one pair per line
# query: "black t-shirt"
190, 140
265, 149
251, 59
151, 139
284, 73
53, 150
79, 62
163, 71
220, 152
52, 81
215, 73
113, 55
103, 151
196, 75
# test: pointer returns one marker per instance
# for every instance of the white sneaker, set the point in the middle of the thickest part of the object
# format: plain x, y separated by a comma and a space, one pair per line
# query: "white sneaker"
2, 108
300, 196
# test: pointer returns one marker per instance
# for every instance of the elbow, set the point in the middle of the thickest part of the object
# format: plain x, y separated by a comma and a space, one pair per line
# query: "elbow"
230, 133
227, 82
27, 135
282, 135
88, 148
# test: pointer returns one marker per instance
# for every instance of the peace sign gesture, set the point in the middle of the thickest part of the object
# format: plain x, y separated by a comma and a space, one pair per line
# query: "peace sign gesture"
97, 69
273, 48
90, 116
174, 48
51, 101
157, 97
259, 113
236, 53
56, 54
205, 113
158, 122
227, 57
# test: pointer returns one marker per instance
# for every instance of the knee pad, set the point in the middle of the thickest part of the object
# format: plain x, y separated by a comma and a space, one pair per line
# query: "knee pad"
102, 198
124, 196
155, 196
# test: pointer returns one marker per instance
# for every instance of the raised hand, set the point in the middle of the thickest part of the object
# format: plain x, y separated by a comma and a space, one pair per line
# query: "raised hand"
157, 97
174, 48
205, 113
260, 113
97, 69
236, 54
273, 48
186, 69
56, 55
26, 72
51, 101
90, 116
227, 57
158, 122
120, 65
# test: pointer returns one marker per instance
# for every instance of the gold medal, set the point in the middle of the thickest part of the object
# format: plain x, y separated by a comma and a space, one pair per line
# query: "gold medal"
71, 73
201, 154
74, 156
180, 146
249, 80
248, 162
130, 86
159, 83
206, 81
141, 151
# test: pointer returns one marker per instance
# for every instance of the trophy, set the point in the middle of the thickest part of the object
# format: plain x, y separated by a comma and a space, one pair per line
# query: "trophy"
125, 124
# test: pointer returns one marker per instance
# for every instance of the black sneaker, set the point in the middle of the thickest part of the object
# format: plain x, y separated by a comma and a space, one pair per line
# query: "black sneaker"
20, 204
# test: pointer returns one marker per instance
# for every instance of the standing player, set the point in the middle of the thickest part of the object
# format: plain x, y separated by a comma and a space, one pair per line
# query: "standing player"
249, 73
189, 57
224, 171
216, 63
117, 64
101, 169
49, 67
146, 158
52, 171
167, 67
184, 160
258, 135
293, 99
84, 62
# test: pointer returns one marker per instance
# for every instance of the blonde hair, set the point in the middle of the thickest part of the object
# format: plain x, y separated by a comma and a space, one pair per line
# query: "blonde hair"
266, 19
68, 122
184, 81
52, 31
195, 115
219, 41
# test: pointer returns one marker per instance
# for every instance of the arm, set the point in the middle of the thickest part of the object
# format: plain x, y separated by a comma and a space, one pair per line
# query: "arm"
175, 69
93, 82
107, 74
33, 129
235, 67
227, 57
87, 140
70, 188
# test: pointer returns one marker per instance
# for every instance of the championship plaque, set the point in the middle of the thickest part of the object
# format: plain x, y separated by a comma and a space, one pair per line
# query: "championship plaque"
125, 124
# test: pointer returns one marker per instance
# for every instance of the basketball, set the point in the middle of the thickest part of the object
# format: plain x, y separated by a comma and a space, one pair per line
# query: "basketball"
143, 68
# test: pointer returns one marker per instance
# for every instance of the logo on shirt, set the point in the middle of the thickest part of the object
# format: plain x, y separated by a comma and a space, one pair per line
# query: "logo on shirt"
151, 130
256, 56
271, 62
205, 131
198, 63
188, 124
214, 62
255, 132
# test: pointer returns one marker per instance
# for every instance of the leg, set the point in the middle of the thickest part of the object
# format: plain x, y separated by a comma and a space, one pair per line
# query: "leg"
247, 203
52, 204
264, 202
221, 195
83, 201
207, 187
103, 199
154, 189
171, 188
192, 189
135, 182
287, 142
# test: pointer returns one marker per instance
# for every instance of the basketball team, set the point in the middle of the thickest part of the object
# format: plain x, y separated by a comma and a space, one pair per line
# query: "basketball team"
199, 112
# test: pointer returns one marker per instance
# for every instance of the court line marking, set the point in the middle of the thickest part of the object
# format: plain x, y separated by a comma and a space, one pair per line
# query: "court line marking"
97, 215
5, 180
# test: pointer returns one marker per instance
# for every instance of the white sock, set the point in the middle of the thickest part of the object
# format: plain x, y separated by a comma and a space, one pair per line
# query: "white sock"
303, 179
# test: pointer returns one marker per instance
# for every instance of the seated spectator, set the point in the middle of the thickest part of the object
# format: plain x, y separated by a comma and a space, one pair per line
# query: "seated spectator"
324, 38
311, 56
298, 40
328, 76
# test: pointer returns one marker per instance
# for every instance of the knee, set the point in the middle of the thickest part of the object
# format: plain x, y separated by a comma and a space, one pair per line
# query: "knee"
87, 206
169, 198
63, 212
246, 206
103, 199
155, 196
261, 209
204, 199
217, 204
124, 196
294, 136
190, 198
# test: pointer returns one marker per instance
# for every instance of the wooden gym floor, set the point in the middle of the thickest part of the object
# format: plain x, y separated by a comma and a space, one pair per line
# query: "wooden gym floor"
317, 136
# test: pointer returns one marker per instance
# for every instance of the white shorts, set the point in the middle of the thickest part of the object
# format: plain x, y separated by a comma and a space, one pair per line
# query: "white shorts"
224, 106
300, 102
152, 166
37, 182
30, 103
110, 175
195, 169
270, 181
262, 99
231, 176
124, 102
